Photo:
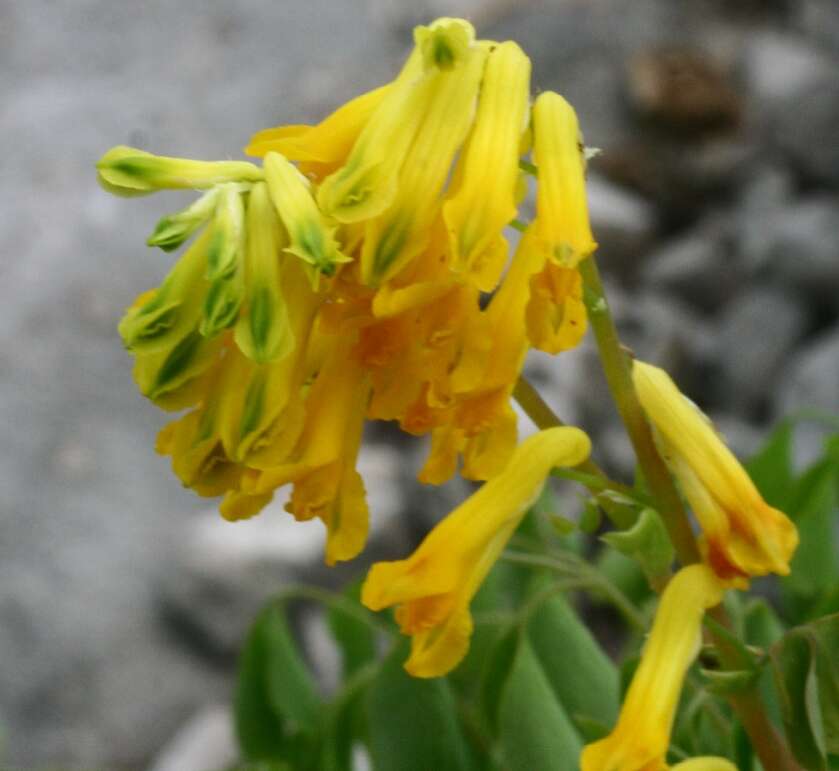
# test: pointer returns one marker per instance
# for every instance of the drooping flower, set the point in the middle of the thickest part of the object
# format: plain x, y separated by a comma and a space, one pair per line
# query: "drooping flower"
640, 739
435, 585
342, 280
742, 534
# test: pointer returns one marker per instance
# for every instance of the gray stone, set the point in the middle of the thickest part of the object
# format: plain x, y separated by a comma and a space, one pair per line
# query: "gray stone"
806, 131
819, 19
698, 267
810, 382
625, 225
756, 334
797, 248
780, 65
204, 743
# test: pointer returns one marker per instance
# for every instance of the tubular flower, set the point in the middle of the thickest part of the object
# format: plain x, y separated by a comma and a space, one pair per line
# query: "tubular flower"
742, 534
435, 585
341, 280
640, 739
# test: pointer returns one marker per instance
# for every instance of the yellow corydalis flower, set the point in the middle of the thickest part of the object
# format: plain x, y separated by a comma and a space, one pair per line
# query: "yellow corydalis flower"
263, 332
324, 147
484, 193
128, 171
435, 585
743, 535
401, 231
311, 236
562, 223
640, 739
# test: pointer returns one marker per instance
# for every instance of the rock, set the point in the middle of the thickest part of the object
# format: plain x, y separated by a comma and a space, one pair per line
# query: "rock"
780, 65
204, 743
806, 131
797, 248
682, 90
819, 19
755, 337
698, 267
624, 224
810, 381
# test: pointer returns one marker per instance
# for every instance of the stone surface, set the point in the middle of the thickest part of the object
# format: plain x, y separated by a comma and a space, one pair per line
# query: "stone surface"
796, 247
699, 266
806, 131
755, 338
204, 743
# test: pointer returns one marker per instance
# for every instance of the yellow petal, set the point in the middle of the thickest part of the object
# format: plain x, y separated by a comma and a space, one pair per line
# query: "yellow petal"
435, 585
483, 199
744, 535
562, 223
403, 230
366, 184
128, 171
642, 735
311, 236
556, 315
263, 332
328, 143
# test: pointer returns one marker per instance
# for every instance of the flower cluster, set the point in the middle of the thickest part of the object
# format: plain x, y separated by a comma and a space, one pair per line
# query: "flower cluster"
347, 278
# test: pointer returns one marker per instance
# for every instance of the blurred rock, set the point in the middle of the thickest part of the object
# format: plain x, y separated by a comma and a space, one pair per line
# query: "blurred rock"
811, 377
699, 267
806, 130
624, 224
681, 177
682, 90
204, 743
780, 65
756, 336
810, 382
797, 248
819, 19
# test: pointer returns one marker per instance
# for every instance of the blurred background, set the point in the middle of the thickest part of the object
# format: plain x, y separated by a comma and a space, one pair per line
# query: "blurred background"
123, 597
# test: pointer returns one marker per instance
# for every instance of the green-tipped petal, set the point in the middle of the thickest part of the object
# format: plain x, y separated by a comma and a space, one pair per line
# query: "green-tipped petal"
173, 309
129, 171
263, 332
309, 232
227, 241
173, 229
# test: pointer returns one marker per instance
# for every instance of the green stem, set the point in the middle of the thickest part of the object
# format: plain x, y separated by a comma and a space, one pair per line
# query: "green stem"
589, 473
766, 741
619, 379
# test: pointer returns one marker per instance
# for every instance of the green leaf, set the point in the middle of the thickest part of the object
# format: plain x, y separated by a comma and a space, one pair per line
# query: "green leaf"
814, 568
356, 639
583, 678
807, 678
413, 722
771, 468
497, 671
647, 543
275, 694
534, 730
345, 722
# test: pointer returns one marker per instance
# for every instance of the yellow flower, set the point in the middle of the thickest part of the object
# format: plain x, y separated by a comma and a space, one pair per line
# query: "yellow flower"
641, 737
562, 223
401, 231
705, 764
128, 171
482, 201
312, 237
556, 315
743, 535
366, 184
434, 586
320, 149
